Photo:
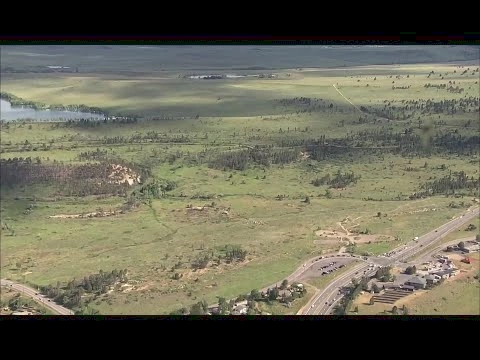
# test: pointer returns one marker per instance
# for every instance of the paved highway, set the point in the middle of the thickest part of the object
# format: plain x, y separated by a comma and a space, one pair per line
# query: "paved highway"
436, 234
435, 250
35, 295
323, 302
308, 264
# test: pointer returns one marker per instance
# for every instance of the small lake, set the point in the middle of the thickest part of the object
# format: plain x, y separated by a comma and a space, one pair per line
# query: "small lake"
9, 113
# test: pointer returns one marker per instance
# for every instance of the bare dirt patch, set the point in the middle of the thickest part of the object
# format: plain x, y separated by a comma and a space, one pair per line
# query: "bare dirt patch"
122, 174
88, 215
346, 233
126, 288
209, 212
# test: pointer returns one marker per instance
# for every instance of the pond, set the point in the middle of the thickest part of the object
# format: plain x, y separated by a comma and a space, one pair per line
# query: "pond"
9, 113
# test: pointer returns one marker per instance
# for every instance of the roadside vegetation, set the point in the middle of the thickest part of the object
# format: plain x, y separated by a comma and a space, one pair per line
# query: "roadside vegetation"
13, 302
210, 188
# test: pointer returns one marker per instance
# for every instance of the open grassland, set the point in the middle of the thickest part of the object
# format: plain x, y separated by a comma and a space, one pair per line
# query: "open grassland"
261, 208
153, 96
463, 232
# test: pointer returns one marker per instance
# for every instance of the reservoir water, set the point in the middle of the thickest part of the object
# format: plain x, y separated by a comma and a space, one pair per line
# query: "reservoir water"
9, 113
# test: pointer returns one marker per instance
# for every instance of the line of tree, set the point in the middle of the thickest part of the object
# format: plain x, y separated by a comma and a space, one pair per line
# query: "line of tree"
150, 137
408, 109
73, 293
263, 156
345, 304
229, 253
457, 183
92, 122
154, 190
16, 101
339, 180
96, 155
69, 179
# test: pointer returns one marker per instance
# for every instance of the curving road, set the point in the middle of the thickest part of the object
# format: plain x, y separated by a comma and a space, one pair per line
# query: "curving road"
35, 295
322, 303
308, 264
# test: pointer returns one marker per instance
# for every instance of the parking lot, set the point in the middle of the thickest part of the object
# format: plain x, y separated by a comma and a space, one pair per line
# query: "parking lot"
326, 266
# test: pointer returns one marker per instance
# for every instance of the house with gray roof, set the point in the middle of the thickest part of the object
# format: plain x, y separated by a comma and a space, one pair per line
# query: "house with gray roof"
432, 279
417, 282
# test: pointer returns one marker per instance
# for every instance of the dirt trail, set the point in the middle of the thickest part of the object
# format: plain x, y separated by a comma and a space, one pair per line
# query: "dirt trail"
355, 106
344, 229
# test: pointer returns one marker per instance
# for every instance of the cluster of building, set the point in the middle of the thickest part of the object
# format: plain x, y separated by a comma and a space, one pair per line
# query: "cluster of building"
468, 247
23, 310
285, 296
443, 268
431, 273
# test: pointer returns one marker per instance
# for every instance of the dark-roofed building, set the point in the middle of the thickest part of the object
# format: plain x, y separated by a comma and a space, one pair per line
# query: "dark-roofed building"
417, 282
445, 274
432, 279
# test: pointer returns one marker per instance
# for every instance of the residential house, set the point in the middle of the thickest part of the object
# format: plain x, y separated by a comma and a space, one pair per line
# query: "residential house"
240, 310
432, 279
416, 282
445, 274
22, 313
214, 310
471, 246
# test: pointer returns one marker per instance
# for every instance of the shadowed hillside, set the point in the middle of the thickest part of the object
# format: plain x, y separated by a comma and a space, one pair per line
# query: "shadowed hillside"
104, 58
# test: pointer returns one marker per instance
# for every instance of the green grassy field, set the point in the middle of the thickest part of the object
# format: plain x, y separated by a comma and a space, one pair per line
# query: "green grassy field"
159, 95
158, 240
